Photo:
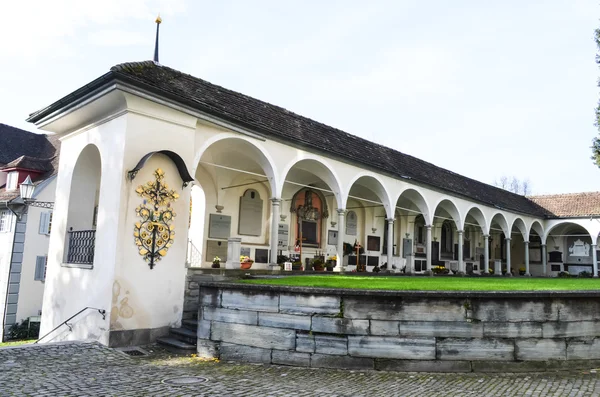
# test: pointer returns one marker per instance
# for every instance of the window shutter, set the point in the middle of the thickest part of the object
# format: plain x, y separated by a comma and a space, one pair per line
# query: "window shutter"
40, 268
44, 222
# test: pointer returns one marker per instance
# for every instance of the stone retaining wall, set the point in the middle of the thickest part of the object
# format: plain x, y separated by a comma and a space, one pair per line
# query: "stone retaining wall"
405, 331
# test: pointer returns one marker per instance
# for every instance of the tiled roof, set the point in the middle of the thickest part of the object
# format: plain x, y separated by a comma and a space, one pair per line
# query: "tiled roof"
570, 205
30, 151
29, 163
281, 124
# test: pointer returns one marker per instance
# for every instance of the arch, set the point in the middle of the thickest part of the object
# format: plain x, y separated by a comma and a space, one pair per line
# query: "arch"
479, 217
320, 168
537, 227
257, 151
500, 219
520, 225
417, 200
450, 207
374, 184
447, 237
565, 224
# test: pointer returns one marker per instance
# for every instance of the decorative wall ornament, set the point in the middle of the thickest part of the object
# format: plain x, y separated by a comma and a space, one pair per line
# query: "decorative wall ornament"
154, 234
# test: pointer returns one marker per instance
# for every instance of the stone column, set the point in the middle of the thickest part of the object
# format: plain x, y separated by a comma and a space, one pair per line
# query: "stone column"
544, 260
595, 260
428, 247
275, 203
486, 253
390, 242
527, 272
507, 254
340, 243
461, 262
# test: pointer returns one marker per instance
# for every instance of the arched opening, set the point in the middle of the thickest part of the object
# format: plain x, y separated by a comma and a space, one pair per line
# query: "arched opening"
413, 221
82, 215
497, 242
475, 232
310, 194
570, 249
447, 240
236, 181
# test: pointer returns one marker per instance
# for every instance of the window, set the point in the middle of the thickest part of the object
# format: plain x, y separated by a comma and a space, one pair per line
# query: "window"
40, 268
45, 223
5, 218
11, 180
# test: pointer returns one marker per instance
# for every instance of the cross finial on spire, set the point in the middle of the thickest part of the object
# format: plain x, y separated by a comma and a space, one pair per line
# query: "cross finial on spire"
158, 21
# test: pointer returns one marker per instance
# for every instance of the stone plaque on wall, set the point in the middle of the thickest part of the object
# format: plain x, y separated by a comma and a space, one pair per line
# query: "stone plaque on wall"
245, 251
407, 247
351, 223
579, 250
283, 232
216, 248
261, 255
332, 237
251, 211
219, 226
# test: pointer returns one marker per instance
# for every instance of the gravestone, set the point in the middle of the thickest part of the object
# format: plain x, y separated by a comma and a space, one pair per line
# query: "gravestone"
283, 232
407, 247
216, 248
261, 255
332, 237
245, 251
251, 211
219, 226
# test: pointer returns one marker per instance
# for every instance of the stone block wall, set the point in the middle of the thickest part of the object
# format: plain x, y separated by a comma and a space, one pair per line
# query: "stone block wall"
403, 331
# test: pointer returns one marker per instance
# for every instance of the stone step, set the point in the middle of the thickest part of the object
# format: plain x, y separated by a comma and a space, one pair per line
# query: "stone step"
184, 334
190, 324
176, 345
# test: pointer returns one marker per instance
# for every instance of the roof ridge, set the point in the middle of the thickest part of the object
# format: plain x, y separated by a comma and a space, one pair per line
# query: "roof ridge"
562, 194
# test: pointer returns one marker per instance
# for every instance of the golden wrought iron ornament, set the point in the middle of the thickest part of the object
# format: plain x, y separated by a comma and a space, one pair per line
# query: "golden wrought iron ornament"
155, 233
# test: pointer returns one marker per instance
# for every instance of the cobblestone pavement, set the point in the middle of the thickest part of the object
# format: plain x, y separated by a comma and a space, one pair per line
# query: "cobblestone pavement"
88, 369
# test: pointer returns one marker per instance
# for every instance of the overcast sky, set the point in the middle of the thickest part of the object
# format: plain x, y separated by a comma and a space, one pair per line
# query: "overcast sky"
482, 88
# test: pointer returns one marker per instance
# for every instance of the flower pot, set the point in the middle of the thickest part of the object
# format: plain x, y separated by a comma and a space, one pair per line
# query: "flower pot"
246, 265
318, 268
329, 268
215, 265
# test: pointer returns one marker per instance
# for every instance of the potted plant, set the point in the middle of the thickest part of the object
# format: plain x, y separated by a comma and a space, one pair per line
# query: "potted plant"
331, 263
245, 262
317, 265
297, 265
216, 263
281, 259
521, 271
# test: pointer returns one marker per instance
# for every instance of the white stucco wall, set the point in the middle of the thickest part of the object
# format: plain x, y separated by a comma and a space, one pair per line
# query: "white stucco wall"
6, 244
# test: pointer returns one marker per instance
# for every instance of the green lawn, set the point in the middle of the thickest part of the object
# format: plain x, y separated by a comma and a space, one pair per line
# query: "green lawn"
435, 283
17, 343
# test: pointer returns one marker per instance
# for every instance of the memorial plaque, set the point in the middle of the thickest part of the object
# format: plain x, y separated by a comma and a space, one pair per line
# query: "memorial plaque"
332, 237
216, 248
579, 250
283, 235
351, 223
373, 243
261, 255
407, 247
219, 226
251, 211
245, 251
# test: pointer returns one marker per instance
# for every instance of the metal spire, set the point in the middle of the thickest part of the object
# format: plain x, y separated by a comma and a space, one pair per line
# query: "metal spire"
158, 21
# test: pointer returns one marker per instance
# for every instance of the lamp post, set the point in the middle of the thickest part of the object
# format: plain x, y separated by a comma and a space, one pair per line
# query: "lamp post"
27, 188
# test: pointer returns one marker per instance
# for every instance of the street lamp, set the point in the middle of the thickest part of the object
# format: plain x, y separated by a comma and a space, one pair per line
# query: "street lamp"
27, 188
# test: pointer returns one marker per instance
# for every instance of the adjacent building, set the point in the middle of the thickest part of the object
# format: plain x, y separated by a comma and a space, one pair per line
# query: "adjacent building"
24, 230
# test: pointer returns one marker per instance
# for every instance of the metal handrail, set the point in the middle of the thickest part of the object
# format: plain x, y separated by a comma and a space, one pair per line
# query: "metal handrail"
101, 311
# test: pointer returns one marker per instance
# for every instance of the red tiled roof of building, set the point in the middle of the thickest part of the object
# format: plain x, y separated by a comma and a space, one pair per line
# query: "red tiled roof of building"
570, 205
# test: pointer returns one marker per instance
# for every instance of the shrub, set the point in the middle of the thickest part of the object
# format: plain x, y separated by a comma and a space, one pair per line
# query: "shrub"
585, 274
564, 275
440, 270
23, 331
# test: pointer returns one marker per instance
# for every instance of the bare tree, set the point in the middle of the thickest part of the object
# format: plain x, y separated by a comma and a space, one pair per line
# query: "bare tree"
514, 185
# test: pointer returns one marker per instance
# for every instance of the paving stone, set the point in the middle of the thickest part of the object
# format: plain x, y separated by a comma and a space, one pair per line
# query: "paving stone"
392, 347
423, 366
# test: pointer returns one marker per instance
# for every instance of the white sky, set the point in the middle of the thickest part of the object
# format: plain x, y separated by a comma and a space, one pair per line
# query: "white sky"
482, 88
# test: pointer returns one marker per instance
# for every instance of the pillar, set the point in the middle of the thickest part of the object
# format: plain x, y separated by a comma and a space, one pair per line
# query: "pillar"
390, 242
428, 247
486, 253
595, 260
340, 243
461, 262
234, 245
544, 260
527, 272
507, 254
275, 203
